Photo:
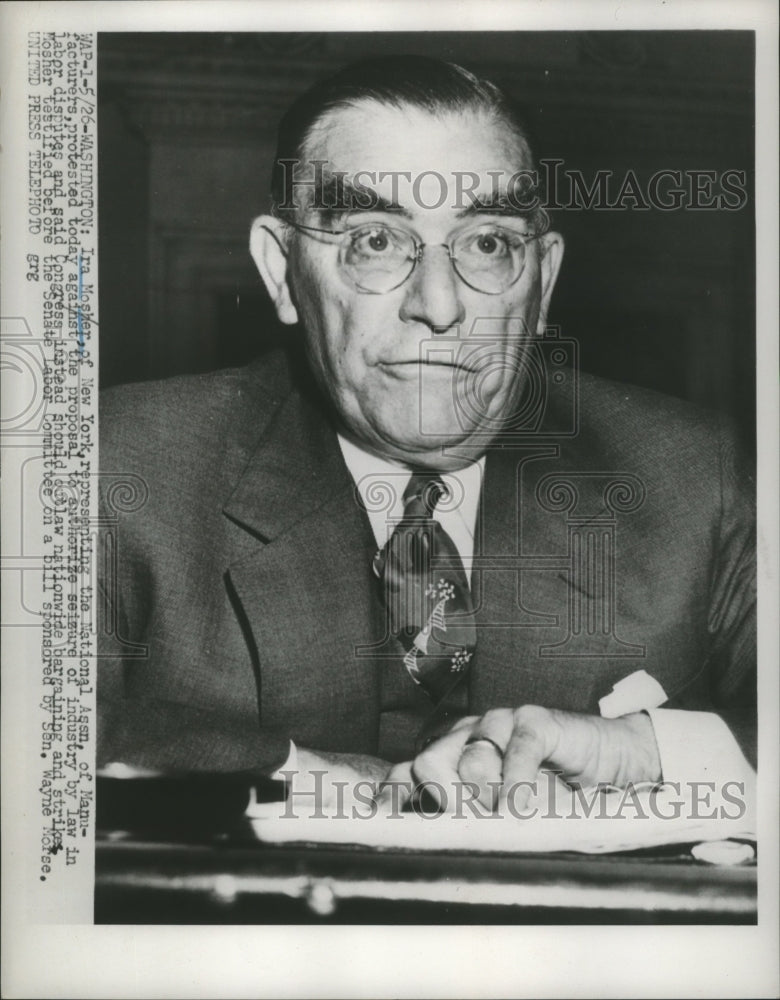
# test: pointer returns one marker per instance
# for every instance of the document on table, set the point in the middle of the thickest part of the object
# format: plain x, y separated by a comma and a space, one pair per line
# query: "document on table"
590, 822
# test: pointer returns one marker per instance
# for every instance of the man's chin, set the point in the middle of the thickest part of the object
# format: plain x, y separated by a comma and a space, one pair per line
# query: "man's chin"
439, 450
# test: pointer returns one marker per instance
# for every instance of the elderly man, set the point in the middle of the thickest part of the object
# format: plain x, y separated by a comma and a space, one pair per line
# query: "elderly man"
418, 539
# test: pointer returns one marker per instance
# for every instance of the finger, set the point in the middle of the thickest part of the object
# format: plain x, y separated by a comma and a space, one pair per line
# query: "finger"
396, 790
481, 766
436, 769
481, 761
467, 722
533, 739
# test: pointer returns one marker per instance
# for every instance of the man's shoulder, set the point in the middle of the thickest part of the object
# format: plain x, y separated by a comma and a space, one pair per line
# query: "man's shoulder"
614, 424
191, 412
634, 414
260, 385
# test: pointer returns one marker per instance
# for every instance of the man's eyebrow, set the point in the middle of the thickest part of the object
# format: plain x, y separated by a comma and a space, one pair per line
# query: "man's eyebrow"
496, 203
338, 196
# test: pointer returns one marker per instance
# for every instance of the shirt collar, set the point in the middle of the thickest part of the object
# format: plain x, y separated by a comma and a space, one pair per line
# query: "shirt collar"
385, 505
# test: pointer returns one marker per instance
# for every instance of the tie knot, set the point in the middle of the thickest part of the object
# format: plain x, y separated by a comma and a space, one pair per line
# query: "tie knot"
425, 488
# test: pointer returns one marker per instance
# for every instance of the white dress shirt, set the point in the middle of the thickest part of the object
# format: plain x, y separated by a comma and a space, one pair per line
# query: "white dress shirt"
381, 485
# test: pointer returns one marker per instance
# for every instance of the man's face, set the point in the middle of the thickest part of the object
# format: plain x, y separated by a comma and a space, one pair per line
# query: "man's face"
426, 372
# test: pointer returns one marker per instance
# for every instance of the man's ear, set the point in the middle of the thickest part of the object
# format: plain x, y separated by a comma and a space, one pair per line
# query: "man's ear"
269, 252
552, 248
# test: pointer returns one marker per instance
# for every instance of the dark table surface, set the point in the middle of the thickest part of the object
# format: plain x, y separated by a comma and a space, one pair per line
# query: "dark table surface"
153, 877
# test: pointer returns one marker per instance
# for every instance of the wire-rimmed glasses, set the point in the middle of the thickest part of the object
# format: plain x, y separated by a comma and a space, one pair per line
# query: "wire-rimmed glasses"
378, 258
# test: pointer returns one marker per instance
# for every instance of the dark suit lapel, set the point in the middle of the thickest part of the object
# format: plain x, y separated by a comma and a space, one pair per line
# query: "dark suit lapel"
304, 588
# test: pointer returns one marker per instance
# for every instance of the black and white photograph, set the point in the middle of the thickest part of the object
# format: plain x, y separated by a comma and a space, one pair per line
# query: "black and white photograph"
388, 472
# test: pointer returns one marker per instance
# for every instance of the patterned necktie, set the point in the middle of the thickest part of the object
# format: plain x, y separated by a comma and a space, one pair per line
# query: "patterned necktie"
427, 593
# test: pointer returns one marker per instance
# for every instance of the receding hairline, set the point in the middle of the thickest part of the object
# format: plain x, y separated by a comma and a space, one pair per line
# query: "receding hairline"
493, 115
416, 84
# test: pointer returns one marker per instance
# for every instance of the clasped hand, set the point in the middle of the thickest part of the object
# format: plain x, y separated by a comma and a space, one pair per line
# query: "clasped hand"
501, 753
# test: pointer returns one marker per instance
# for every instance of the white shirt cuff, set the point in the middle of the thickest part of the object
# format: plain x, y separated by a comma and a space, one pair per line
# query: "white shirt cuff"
291, 764
698, 746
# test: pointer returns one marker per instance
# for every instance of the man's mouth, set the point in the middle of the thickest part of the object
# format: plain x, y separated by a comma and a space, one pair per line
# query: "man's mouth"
406, 368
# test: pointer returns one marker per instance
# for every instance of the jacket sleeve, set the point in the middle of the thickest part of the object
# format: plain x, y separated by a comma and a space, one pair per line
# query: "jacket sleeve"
149, 725
732, 600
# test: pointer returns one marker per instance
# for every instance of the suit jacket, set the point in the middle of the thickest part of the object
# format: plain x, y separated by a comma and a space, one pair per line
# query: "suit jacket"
615, 533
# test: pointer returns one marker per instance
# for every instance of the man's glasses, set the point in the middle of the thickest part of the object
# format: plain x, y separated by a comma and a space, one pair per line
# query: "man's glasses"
377, 258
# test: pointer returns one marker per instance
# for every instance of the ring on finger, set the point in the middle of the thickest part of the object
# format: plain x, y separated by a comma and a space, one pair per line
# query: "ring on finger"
476, 740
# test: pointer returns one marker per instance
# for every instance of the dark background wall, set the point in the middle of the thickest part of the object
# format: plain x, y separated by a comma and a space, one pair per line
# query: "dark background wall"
663, 299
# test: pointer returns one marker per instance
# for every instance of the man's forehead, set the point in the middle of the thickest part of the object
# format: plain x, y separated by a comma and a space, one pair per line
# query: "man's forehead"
408, 155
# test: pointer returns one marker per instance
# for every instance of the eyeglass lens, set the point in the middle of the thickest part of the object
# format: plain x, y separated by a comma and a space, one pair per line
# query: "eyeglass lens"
378, 258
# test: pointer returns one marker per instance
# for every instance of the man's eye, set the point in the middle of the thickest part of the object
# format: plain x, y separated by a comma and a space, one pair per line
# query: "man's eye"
372, 242
489, 244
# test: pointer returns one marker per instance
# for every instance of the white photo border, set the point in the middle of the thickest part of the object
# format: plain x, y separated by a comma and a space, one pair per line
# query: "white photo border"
142, 961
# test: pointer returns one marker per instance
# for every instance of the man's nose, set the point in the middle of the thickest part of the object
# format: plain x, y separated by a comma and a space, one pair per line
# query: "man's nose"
433, 292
